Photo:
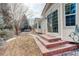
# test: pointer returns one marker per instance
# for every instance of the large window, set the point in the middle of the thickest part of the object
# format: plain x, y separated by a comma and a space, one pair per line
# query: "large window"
53, 21
49, 17
70, 14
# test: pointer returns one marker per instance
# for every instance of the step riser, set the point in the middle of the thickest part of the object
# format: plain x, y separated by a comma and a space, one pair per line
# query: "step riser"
59, 51
55, 45
52, 45
41, 42
51, 40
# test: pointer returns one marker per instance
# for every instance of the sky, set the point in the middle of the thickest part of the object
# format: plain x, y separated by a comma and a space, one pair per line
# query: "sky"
36, 9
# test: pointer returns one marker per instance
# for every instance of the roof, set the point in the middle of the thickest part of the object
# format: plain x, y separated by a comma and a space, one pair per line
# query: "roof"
38, 20
47, 6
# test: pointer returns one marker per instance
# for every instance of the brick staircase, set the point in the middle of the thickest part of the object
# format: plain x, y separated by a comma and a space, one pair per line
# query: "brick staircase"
51, 45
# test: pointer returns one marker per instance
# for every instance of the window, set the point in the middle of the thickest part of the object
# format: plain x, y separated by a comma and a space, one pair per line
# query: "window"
39, 26
53, 21
49, 17
70, 20
70, 14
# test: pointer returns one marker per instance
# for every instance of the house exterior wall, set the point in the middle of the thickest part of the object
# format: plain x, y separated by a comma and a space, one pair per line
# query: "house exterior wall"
66, 30
44, 26
63, 30
50, 10
37, 24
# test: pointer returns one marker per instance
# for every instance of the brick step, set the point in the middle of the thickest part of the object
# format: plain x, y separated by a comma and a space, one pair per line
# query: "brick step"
50, 38
51, 44
68, 52
57, 50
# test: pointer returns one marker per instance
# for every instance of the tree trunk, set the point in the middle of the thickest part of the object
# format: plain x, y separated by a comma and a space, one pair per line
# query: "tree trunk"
16, 29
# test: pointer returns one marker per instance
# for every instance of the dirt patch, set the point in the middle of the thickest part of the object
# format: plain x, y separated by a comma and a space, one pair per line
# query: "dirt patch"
22, 46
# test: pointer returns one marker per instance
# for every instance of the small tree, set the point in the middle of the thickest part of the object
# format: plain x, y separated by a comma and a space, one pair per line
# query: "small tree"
17, 10
13, 13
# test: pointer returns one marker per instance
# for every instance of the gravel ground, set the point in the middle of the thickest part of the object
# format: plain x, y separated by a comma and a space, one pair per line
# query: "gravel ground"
23, 45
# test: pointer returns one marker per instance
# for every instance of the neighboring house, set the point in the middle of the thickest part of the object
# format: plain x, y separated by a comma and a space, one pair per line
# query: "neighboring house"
39, 24
61, 19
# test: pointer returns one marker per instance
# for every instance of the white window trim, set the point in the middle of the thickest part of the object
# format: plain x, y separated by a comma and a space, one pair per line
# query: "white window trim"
70, 14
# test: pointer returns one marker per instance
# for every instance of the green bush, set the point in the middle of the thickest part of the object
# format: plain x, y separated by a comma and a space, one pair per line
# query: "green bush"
8, 34
2, 33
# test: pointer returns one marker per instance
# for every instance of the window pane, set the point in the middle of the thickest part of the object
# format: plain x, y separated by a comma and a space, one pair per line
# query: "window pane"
73, 9
49, 22
67, 8
55, 21
70, 8
70, 20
